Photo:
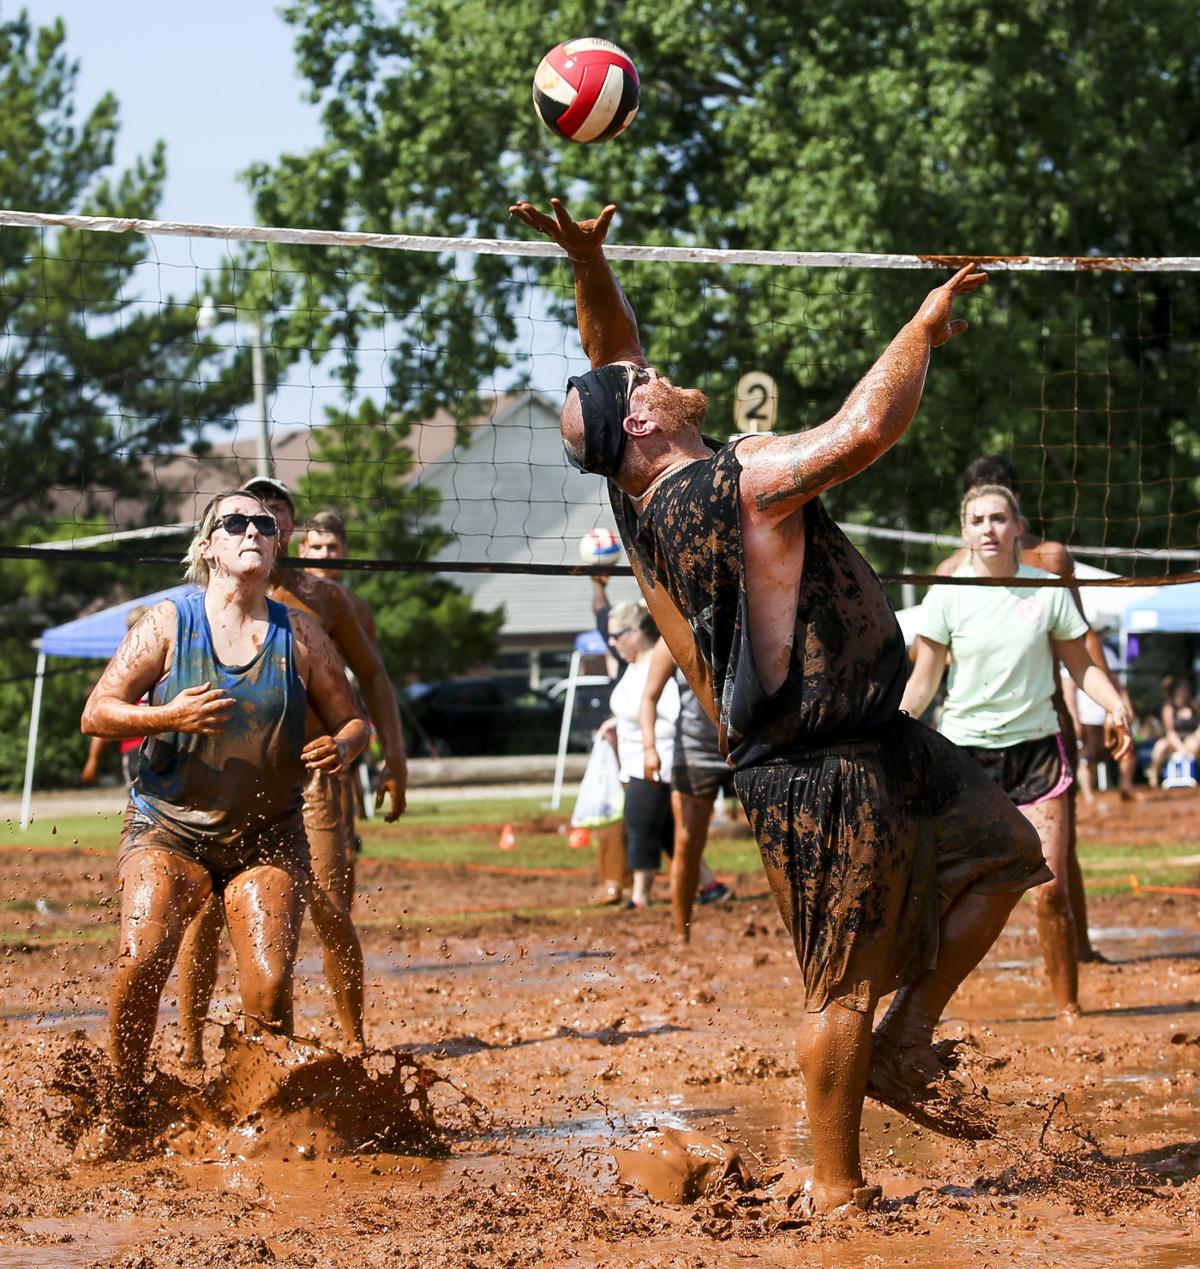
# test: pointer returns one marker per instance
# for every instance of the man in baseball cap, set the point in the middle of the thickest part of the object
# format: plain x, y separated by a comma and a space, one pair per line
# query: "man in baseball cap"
267, 487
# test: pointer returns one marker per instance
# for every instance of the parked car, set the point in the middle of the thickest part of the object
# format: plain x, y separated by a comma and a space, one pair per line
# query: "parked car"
479, 716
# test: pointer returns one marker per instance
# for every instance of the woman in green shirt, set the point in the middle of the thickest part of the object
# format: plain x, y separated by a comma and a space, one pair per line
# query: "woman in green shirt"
999, 704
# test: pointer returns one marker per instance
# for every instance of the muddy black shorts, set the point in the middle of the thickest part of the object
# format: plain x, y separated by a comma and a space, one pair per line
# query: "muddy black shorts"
699, 777
1030, 772
867, 843
281, 844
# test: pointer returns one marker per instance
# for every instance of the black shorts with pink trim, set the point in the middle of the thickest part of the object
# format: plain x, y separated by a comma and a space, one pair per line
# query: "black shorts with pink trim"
1030, 771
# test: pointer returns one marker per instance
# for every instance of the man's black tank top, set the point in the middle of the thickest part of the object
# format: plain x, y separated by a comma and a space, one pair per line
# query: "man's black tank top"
848, 665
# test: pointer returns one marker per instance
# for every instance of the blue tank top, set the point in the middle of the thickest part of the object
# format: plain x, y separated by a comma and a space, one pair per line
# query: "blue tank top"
249, 775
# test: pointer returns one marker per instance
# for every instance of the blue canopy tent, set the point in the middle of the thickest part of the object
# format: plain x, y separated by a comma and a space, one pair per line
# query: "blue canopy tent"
1164, 610
1161, 610
98, 635
589, 644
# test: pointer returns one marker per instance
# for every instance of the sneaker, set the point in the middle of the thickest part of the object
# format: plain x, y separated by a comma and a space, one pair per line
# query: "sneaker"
715, 892
632, 905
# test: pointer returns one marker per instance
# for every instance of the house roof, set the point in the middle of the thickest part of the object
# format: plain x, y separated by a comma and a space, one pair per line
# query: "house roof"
505, 489
510, 497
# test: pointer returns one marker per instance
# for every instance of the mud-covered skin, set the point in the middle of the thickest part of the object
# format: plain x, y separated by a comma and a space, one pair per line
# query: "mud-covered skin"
868, 824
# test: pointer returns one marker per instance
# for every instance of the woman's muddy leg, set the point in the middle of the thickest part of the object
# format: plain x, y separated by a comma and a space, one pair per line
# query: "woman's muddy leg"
160, 892
692, 816
1052, 906
263, 907
835, 1054
198, 978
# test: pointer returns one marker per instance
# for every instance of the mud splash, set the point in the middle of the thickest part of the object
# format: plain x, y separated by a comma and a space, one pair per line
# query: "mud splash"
680, 1167
271, 1097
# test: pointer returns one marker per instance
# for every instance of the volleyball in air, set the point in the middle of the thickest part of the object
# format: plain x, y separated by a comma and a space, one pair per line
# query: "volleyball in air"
600, 546
586, 90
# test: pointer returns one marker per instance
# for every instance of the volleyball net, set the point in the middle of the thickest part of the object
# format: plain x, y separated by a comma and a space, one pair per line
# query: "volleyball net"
413, 385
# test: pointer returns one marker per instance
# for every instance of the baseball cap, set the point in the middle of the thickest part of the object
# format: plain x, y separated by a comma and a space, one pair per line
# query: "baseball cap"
269, 485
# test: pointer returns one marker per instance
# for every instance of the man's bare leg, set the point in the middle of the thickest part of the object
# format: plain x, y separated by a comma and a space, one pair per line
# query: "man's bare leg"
692, 817
198, 979
343, 963
264, 907
1052, 905
835, 1055
329, 824
160, 892
970, 926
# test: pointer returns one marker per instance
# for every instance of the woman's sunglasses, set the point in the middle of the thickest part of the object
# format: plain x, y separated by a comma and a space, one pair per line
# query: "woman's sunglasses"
236, 523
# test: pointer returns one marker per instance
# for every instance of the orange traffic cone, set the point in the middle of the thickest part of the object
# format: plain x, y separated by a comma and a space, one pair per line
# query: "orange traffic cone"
580, 838
508, 839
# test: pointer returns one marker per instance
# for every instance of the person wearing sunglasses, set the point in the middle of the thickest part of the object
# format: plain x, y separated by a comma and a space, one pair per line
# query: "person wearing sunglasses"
893, 859
215, 810
328, 803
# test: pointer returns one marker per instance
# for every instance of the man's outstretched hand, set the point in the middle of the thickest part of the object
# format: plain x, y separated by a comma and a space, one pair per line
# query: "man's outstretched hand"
582, 240
934, 314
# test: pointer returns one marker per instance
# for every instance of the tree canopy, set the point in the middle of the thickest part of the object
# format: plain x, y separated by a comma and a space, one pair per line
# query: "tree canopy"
944, 127
96, 380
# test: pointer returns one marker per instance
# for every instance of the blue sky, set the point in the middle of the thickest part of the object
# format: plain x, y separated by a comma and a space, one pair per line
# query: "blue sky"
215, 81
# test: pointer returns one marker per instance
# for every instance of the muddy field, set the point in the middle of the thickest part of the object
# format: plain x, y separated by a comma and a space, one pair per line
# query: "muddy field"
572, 1035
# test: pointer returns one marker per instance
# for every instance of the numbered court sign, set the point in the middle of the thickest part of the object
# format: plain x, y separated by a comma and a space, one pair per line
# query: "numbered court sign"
755, 403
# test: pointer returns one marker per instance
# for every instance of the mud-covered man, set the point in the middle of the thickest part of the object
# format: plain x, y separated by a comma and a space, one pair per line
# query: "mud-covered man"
893, 859
328, 807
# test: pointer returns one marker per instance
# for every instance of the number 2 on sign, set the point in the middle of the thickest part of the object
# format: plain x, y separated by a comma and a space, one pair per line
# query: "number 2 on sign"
755, 403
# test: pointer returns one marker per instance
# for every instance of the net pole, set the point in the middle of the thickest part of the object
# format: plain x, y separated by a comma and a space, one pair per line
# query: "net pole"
560, 762
35, 715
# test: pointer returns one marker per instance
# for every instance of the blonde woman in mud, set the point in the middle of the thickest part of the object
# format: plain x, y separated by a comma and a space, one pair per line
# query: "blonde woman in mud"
216, 806
1000, 703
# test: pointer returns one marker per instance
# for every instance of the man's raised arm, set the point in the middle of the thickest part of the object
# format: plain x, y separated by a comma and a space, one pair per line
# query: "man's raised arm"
780, 474
607, 326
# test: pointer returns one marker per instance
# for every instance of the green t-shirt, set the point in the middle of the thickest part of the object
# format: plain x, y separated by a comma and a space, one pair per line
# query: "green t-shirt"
1001, 684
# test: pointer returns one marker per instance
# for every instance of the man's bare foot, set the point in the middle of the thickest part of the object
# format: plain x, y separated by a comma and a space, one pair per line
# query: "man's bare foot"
912, 1078
1069, 1015
1089, 956
838, 1199
191, 1059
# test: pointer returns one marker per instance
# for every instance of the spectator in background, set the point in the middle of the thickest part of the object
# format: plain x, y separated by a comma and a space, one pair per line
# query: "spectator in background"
130, 748
649, 825
697, 774
1181, 729
1091, 745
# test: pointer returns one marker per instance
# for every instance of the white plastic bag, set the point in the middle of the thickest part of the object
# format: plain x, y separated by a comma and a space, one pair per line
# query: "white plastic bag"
600, 800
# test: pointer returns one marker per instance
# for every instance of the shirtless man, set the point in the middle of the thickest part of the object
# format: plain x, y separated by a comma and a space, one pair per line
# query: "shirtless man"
895, 862
1053, 557
328, 819
325, 538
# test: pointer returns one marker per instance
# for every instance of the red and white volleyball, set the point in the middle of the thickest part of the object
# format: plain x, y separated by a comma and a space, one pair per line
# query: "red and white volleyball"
586, 90
600, 546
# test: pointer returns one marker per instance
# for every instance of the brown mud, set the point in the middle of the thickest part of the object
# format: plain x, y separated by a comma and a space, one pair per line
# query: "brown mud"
581, 1037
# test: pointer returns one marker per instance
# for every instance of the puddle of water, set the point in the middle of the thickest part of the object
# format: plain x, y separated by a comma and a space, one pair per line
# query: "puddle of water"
71, 1244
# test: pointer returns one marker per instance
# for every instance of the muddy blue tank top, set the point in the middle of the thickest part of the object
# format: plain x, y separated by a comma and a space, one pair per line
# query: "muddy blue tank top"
249, 775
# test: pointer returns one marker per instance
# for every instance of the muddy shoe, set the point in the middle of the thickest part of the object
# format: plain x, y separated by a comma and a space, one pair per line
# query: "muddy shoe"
926, 1093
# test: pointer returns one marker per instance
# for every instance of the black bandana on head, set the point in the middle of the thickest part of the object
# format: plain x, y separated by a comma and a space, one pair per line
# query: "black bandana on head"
604, 401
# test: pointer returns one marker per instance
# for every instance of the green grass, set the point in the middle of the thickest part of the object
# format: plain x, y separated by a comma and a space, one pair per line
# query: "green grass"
87, 832
472, 829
